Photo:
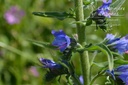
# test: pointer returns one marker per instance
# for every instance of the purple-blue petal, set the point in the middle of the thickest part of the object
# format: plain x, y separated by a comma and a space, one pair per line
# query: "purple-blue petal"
81, 79
107, 1
111, 73
117, 43
49, 63
122, 45
122, 73
104, 10
58, 41
62, 41
126, 81
122, 68
123, 76
57, 33
111, 38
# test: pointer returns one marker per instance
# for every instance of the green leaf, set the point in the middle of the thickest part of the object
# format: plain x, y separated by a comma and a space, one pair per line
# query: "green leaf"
70, 67
58, 15
120, 61
69, 80
10, 48
106, 51
43, 44
103, 64
80, 22
110, 56
117, 55
89, 22
86, 3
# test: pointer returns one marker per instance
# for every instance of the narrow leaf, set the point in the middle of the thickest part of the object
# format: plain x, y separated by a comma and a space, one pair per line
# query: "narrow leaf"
103, 64
106, 51
89, 21
43, 44
58, 15
110, 56
121, 62
10, 48
117, 55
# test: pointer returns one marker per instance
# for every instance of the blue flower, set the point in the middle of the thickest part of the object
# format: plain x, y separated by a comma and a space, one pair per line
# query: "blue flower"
122, 45
49, 63
81, 79
122, 73
62, 41
104, 10
111, 73
55, 69
117, 44
111, 38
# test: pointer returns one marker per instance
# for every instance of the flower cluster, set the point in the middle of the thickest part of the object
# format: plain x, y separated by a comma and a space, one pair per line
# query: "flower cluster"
117, 43
55, 69
14, 15
100, 14
65, 44
121, 73
104, 10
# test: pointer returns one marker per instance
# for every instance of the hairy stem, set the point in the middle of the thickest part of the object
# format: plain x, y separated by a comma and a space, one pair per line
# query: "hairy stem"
84, 58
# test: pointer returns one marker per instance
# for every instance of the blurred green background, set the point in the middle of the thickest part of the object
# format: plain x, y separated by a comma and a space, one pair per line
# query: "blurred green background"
19, 63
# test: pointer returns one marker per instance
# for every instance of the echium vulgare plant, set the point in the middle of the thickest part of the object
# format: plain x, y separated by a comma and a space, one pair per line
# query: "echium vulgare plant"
113, 47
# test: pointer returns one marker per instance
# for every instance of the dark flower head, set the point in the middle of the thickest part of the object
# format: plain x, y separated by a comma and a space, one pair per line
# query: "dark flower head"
62, 41
117, 44
55, 69
49, 63
104, 10
14, 15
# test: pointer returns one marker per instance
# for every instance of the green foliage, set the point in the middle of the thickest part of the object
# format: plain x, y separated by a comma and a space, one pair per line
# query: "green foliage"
58, 15
42, 44
21, 44
106, 51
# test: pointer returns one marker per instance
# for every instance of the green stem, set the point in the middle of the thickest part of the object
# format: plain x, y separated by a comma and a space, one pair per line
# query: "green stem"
92, 82
99, 74
84, 58
96, 76
93, 57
